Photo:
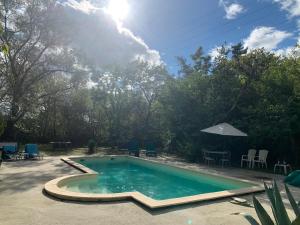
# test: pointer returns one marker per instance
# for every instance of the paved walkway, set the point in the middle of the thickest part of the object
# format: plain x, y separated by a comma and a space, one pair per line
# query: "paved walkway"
24, 203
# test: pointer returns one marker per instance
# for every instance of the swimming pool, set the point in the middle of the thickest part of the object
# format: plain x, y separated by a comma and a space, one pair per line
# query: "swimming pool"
151, 183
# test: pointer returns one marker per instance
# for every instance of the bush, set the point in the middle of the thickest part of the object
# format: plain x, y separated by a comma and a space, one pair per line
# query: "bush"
190, 151
2, 125
91, 146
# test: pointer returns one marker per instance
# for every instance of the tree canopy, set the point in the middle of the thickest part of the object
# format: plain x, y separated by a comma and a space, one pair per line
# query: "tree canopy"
51, 91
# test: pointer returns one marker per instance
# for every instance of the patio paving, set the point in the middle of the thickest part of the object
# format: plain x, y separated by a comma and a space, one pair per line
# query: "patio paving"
23, 201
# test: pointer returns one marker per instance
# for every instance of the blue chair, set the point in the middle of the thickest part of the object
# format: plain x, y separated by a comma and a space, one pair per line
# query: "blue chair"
150, 149
1, 156
133, 148
32, 152
10, 152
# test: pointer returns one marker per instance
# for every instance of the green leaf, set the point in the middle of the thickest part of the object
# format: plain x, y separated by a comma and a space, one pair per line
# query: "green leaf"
263, 216
5, 49
296, 221
281, 214
270, 195
292, 201
251, 219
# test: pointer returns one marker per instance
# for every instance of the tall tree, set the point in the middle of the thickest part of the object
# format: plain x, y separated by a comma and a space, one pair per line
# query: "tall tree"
34, 53
238, 50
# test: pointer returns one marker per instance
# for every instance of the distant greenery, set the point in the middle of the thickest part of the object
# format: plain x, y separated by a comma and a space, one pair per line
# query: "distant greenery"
44, 94
91, 146
2, 124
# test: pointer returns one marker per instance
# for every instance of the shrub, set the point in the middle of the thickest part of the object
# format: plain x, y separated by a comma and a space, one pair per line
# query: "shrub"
91, 146
2, 125
279, 212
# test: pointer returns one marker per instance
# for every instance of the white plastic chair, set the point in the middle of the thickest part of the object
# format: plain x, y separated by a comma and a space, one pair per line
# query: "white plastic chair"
225, 159
248, 158
261, 159
207, 158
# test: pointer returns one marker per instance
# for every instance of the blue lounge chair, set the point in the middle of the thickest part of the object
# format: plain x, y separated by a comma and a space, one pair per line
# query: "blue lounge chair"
1, 156
150, 149
133, 148
32, 152
10, 151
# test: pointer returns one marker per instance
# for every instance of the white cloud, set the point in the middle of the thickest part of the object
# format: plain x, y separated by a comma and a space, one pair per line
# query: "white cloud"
99, 39
265, 37
284, 51
289, 50
291, 6
215, 52
232, 10
84, 6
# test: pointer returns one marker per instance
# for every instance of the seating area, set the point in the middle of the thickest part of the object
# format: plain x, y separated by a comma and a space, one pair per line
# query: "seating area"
32, 152
10, 151
216, 157
150, 149
253, 160
248, 158
135, 149
130, 112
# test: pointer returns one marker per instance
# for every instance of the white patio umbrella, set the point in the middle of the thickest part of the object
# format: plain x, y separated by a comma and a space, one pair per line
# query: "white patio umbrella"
224, 129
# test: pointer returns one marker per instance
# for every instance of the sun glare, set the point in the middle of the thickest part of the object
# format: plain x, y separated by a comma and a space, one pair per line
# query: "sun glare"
118, 9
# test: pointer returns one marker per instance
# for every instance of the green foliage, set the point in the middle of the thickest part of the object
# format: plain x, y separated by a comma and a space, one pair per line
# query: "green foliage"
279, 212
5, 49
92, 145
189, 151
45, 93
256, 91
2, 125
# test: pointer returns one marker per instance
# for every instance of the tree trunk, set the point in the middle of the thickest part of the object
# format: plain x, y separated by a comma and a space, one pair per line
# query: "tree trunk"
10, 130
9, 133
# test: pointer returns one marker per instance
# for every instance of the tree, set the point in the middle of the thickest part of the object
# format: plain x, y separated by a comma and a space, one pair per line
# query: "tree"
148, 80
34, 53
125, 101
238, 50
201, 62
2, 125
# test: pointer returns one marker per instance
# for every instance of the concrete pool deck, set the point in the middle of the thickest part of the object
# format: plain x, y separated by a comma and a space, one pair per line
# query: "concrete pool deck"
57, 186
24, 203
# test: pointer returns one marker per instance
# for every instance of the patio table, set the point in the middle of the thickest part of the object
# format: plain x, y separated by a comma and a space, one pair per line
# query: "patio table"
284, 166
216, 154
60, 144
143, 152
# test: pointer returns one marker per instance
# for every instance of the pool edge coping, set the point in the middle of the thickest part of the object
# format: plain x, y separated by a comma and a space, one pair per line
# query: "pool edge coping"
53, 188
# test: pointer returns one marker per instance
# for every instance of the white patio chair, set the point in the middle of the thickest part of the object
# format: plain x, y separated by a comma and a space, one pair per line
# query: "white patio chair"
207, 159
226, 159
261, 159
248, 158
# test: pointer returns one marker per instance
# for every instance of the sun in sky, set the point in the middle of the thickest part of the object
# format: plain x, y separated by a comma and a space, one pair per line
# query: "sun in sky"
118, 9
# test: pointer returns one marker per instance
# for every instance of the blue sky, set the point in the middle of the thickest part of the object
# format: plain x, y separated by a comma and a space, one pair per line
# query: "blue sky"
160, 30
177, 27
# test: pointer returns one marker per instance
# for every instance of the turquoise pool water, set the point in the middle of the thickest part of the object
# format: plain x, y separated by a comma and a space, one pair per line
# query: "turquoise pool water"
158, 181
